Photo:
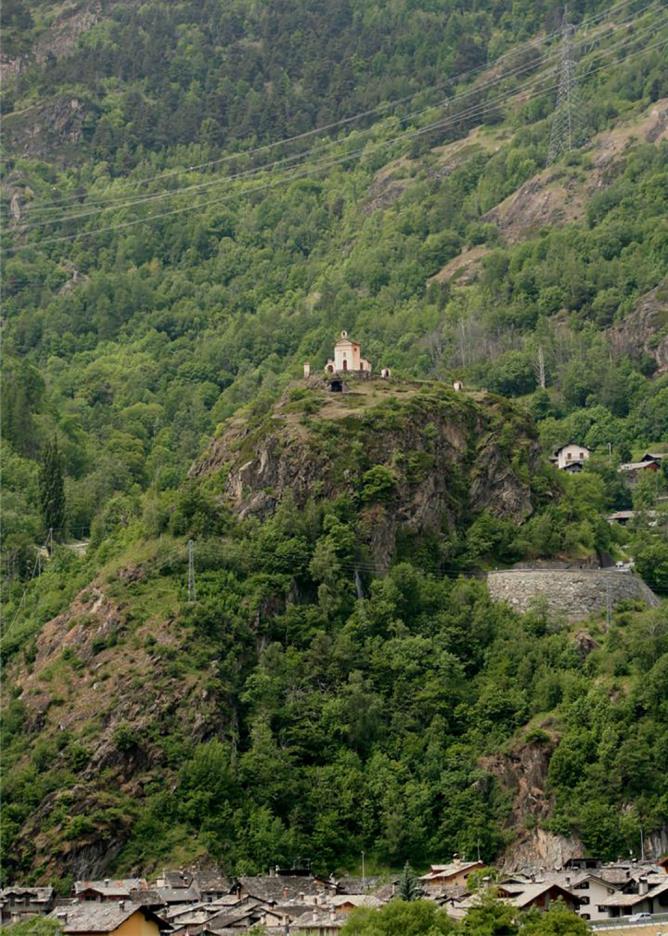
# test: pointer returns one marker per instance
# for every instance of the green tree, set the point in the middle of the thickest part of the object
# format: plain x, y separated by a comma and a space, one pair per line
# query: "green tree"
399, 918
409, 885
490, 918
52, 488
651, 561
557, 921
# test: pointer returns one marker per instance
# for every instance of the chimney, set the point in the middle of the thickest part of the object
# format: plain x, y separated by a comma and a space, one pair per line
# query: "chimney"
643, 886
107, 882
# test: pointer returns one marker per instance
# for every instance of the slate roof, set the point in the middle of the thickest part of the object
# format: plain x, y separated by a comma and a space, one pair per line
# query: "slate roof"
37, 894
358, 885
117, 888
637, 466
91, 917
355, 900
177, 895
279, 889
317, 918
437, 872
630, 900
521, 895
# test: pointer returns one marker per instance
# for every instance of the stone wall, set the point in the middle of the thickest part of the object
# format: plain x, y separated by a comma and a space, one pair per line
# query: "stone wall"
571, 593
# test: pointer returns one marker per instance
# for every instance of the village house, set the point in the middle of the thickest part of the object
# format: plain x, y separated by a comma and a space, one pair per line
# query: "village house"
20, 903
535, 896
176, 887
451, 875
632, 471
345, 903
107, 918
99, 891
570, 457
589, 888
651, 898
319, 922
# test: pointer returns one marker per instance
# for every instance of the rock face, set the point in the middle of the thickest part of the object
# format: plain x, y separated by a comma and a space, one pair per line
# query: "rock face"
573, 594
443, 456
644, 332
95, 674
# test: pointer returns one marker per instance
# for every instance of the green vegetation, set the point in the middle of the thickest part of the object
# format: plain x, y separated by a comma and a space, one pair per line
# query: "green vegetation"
491, 918
305, 703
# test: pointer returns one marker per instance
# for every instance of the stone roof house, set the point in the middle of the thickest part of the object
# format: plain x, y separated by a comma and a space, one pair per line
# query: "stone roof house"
108, 889
20, 903
649, 899
118, 918
454, 874
538, 896
319, 922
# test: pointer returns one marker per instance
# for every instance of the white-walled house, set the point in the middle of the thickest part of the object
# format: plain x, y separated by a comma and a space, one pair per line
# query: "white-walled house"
570, 457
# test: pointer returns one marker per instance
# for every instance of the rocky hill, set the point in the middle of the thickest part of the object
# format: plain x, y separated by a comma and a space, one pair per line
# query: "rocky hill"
197, 198
435, 456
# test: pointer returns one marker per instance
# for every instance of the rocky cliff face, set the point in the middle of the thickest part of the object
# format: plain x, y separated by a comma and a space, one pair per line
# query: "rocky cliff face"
644, 332
445, 455
97, 693
522, 773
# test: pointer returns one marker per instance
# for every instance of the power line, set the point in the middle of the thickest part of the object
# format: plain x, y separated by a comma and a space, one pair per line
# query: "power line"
118, 204
587, 23
439, 124
198, 187
118, 200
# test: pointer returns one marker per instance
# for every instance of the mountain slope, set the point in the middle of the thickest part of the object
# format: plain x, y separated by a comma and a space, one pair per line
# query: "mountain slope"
171, 262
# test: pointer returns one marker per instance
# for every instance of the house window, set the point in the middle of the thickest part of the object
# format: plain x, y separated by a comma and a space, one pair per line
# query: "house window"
584, 901
583, 885
601, 909
585, 916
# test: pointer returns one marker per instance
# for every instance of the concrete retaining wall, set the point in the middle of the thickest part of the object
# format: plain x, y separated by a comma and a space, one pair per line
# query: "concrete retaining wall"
570, 593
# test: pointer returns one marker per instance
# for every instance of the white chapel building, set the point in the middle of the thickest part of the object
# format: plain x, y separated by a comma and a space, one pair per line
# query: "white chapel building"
347, 357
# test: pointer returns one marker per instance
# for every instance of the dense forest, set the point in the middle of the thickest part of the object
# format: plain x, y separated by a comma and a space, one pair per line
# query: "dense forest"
196, 199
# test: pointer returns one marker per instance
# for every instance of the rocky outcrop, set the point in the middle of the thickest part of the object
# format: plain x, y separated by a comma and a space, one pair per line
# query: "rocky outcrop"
644, 332
522, 773
447, 456
569, 593
99, 691
55, 127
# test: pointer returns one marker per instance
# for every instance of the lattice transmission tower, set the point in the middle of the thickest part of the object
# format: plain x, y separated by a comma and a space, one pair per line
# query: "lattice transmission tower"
566, 131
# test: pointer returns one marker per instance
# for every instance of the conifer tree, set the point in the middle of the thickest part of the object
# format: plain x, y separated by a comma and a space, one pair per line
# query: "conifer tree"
409, 886
52, 488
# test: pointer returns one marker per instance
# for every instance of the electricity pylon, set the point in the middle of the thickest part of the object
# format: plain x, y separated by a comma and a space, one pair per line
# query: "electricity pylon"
566, 131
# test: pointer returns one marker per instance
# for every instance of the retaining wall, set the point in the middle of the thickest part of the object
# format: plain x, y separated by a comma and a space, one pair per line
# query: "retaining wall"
570, 593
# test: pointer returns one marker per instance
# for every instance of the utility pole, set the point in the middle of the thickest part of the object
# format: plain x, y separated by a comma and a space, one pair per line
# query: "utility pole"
192, 590
608, 603
540, 367
566, 131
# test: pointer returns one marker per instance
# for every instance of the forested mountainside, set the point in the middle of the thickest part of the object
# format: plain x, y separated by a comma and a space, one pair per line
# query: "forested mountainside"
196, 199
